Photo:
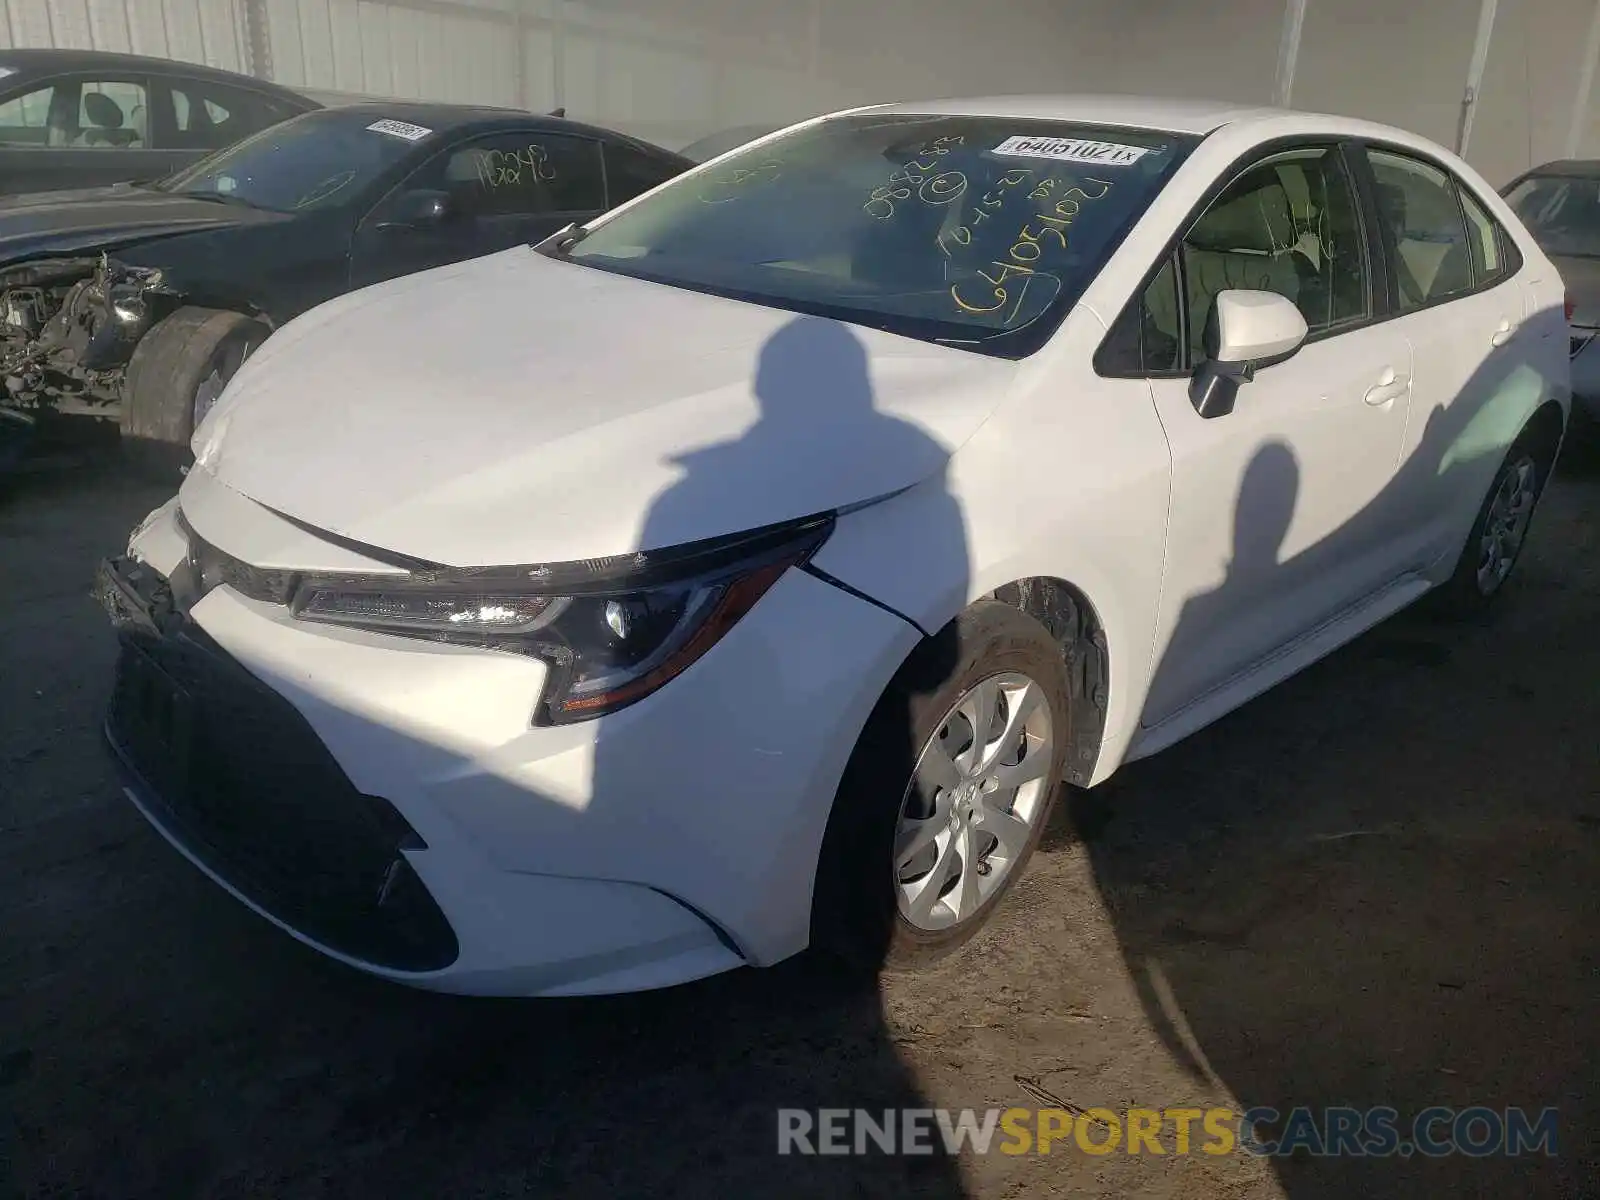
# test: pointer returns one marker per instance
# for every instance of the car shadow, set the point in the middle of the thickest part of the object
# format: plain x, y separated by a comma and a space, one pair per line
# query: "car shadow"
1375, 888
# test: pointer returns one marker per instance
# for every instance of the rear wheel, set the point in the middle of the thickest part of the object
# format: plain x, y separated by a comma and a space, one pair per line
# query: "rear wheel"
946, 794
1500, 531
176, 374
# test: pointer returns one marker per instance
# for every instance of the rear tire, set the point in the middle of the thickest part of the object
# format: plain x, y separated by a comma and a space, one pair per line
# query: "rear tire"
1500, 531
916, 857
177, 371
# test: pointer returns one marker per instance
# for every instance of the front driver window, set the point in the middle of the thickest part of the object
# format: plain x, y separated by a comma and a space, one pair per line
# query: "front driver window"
1289, 225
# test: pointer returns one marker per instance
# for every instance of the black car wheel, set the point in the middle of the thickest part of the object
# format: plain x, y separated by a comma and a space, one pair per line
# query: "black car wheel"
177, 372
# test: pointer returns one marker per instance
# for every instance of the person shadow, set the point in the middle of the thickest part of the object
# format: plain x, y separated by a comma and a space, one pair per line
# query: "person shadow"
1262, 512
1340, 896
830, 1044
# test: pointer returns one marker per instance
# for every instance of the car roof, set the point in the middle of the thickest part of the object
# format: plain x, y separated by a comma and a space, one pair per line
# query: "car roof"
21, 65
1137, 112
1581, 168
439, 116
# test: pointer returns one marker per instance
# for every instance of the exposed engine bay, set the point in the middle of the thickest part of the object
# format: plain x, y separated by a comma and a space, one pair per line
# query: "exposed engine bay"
68, 327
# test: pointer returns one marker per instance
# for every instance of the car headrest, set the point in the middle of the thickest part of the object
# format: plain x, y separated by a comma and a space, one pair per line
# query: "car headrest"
1257, 221
102, 110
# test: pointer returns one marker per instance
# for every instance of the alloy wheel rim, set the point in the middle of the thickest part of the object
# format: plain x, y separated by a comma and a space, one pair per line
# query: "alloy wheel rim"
1505, 525
975, 796
206, 394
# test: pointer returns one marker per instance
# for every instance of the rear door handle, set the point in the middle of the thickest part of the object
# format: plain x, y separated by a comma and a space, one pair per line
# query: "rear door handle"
1503, 333
1390, 386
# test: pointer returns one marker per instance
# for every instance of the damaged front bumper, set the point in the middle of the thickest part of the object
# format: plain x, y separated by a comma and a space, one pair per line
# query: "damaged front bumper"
68, 328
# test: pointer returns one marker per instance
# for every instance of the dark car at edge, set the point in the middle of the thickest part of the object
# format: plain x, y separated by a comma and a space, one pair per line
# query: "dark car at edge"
136, 303
86, 118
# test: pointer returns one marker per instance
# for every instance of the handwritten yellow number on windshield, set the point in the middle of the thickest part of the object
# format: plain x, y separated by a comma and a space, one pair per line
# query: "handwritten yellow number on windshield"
1000, 298
945, 188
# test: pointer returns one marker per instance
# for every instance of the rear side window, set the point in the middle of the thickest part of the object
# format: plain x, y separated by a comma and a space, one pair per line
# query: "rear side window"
1420, 211
1494, 254
208, 116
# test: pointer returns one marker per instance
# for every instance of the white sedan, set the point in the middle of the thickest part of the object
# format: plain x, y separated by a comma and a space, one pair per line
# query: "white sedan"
750, 569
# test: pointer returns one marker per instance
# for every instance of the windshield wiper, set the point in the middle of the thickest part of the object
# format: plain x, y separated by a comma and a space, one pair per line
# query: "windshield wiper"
222, 198
562, 240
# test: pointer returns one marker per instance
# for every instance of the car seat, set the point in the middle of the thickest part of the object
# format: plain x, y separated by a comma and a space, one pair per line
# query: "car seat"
1246, 240
106, 121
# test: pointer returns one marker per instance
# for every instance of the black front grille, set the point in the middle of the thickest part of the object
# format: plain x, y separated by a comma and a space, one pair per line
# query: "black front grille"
232, 771
214, 566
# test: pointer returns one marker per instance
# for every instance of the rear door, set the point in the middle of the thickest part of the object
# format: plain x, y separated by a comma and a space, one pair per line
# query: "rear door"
1458, 292
84, 129
505, 189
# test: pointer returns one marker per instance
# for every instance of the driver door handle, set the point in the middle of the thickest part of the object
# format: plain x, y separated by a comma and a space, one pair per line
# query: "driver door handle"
1390, 386
1503, 333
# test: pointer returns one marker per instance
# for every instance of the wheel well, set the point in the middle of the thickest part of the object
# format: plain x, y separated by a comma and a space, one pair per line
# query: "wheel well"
1071, 619
1544, 429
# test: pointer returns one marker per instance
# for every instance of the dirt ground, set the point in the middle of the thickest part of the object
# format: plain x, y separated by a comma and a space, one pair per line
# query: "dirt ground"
1379, 885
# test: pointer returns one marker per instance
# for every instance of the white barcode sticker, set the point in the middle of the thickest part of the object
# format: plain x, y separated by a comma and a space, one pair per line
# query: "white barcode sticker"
401, 129
1105, 154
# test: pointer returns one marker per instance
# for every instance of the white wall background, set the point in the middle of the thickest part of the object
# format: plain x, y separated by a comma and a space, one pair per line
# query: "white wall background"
674, 70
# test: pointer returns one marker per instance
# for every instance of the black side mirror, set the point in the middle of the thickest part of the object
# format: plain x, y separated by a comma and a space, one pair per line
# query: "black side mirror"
421, 209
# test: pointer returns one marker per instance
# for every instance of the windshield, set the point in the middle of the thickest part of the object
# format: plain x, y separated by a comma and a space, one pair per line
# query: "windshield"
1561, 211
975, 231
318, 160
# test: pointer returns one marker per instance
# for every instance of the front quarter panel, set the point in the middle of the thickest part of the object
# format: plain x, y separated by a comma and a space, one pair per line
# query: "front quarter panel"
1070, 479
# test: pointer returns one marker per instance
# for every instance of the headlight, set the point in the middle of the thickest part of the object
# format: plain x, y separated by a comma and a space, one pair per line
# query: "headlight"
613, 630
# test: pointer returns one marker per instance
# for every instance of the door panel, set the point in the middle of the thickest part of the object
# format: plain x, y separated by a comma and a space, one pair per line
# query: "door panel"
1464, 315
1282, 512
1281, 515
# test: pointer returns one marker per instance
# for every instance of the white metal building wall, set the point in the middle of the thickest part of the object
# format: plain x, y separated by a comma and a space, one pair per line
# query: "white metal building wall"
673, 70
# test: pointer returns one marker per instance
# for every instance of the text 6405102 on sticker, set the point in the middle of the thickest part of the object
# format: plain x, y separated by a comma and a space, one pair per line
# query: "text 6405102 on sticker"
1105, 154
401, 129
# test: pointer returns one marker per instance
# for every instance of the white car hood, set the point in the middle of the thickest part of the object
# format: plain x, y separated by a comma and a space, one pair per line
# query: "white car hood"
519, 409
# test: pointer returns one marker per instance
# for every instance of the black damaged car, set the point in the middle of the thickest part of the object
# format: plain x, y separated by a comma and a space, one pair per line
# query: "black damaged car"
136, 304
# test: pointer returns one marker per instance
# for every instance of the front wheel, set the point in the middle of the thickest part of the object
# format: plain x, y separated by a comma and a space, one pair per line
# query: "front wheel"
947, 793
175, 375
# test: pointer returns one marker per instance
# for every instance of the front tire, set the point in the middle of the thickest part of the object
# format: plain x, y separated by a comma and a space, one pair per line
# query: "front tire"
946, 794
176, 373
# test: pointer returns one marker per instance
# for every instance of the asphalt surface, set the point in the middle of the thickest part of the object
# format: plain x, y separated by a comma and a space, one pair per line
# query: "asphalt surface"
1377, 886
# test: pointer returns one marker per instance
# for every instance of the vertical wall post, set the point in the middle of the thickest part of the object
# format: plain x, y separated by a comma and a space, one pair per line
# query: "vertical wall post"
558, 52
1579, 123
1294, 22
519, 30
257, 39
1480, 59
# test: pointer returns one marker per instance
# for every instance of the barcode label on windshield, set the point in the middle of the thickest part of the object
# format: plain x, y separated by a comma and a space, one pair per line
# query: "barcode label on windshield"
1105, 154
401, 129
